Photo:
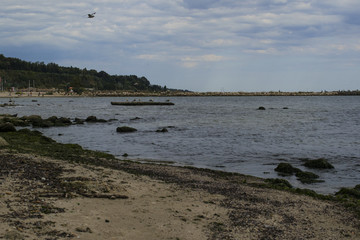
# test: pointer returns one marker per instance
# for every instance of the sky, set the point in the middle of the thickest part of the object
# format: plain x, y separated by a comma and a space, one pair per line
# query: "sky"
197, 45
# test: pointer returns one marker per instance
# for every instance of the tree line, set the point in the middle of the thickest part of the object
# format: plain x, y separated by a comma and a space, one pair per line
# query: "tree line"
18, 73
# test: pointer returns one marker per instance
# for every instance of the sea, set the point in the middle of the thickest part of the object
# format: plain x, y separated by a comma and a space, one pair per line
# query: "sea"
223, 133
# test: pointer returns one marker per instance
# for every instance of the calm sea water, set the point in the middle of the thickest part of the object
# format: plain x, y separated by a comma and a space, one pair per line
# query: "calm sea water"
224, 133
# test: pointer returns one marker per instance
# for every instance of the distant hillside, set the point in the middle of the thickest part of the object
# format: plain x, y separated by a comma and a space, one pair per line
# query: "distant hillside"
17, 73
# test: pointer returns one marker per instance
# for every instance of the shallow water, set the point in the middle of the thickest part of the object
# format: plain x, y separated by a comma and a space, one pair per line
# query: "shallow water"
224, 133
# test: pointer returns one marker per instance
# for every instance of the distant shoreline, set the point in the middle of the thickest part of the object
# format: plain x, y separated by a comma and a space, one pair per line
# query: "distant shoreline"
45, 93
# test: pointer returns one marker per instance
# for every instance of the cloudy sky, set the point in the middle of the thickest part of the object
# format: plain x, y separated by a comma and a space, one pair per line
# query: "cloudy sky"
199, 45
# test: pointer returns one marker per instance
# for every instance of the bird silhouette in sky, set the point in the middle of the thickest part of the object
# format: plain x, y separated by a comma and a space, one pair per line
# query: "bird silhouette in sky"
91, 15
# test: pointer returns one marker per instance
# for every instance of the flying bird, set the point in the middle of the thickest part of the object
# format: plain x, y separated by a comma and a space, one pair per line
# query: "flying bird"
91, 15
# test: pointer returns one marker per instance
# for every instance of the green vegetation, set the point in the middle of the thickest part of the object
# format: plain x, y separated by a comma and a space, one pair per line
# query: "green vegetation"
278, 183
307, 177
320, 163
18, 73
33, 142
286, 169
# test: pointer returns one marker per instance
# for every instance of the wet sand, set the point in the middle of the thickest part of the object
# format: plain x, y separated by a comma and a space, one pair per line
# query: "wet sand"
44, 198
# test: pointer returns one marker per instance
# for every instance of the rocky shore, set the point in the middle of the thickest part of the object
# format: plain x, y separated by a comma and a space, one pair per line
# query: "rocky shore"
61, 191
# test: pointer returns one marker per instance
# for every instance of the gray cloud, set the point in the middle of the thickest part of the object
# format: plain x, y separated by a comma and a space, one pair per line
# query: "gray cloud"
188, 36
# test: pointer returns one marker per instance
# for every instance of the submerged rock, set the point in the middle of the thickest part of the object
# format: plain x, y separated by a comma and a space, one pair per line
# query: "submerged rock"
320, 163
91, 119
79, 121
162, 130
307, 177
59, 122
94, 119
261, 108
286, 168
134, 119
125, 129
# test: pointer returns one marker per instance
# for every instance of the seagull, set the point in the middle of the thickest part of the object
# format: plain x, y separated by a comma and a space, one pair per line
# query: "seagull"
91, 15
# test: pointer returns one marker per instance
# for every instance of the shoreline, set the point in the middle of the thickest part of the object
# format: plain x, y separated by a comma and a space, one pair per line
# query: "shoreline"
45, 93
64, 192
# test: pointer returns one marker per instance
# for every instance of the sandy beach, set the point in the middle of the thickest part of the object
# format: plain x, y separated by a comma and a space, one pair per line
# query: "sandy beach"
46, 198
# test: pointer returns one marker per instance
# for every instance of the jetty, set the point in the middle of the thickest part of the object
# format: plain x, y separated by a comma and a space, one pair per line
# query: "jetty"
135, 103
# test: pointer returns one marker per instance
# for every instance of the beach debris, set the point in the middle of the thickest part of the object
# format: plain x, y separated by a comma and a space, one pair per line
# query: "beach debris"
83, 229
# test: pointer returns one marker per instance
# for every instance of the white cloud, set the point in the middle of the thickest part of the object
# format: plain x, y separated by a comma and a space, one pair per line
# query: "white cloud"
193, 61
192, 33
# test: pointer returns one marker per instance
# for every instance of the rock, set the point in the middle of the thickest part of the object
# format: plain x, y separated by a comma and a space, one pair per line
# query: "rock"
59, 122
162, 130
13, 235
31, 118
94, 119
7, 127
349, 192
91, 119
125, 155
136, 118
79, 121
320, 163
261, 108
3, 142
286, 168
125, 129
307, 177
83, 229
52, 119
279, 182
63, 122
